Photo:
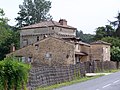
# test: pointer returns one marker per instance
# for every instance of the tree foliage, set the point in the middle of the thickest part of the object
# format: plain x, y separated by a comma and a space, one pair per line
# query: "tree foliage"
88, 38
116, 23
104, 32
13, 74
115, 41
33, 11
7, 36
115, 53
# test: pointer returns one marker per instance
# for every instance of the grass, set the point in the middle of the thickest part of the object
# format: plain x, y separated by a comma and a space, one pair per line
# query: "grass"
78, 80
68, 83
110, 71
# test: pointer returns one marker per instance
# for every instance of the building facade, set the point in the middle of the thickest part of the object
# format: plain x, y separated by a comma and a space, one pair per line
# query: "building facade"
100, 51
55, 43
53, 51
33, 33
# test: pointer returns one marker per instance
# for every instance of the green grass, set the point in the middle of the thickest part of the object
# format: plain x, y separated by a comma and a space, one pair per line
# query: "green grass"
68, 83
111, 71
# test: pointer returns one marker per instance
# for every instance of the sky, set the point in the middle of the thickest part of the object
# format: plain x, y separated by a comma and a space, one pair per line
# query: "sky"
85, 15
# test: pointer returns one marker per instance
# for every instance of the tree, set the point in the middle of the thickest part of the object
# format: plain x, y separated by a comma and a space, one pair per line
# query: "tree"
116, 24
13, 74
106, 31
88, 38
100, 33
33, 11
7, 36
115, 55
115, 41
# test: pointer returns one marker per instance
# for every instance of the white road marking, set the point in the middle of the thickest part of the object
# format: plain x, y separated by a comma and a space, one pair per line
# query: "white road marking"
97, 89
116, 81
106, 85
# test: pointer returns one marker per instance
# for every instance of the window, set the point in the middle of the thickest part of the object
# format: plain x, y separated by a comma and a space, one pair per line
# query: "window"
19, 58
37, 38
67, 56
29, 59
77, 59
25, 42
106, 50
52, 28
36, 46
48, 55
23, 59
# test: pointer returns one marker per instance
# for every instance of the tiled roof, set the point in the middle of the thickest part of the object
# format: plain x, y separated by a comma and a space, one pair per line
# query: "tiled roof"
100, 42
81, 53
47, 24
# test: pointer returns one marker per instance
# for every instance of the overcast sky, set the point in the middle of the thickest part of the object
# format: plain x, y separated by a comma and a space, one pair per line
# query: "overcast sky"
85, 15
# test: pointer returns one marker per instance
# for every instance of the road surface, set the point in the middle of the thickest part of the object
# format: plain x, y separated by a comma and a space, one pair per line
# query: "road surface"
109, 82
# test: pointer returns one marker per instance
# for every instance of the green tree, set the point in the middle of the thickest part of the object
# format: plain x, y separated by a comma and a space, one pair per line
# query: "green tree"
7, 36
116, 25
115, 55
88, 38
100, 33
13, 74
115, 41
104, 32
33, 11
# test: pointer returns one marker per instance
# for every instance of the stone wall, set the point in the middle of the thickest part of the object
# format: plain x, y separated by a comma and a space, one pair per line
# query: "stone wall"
50, 51
31, 34
44, 75
99, 66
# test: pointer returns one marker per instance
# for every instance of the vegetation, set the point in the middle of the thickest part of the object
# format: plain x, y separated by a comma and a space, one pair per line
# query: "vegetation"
33, 11
7, 36
88, 38
104, 32
13, 74
116, 24
111, 34
107, 33
115, 41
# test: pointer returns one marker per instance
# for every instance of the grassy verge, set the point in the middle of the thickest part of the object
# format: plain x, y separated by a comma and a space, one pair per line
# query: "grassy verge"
111, 71
68, 83
76, 80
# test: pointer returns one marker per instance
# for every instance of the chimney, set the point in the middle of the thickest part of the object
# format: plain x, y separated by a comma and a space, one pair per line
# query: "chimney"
63, 22
12, 49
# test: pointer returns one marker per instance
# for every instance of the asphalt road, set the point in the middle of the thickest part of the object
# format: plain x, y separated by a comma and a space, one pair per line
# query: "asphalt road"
109, 82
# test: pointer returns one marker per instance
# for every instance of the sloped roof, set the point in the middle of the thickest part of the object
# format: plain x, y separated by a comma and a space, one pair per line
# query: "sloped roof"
47, 24
81, 53
72, 43
83, 43
38, 43
100, 42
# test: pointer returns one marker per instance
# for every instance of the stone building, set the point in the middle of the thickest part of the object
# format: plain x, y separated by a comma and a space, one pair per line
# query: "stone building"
55, 43
33, 33
54, 51
100, 51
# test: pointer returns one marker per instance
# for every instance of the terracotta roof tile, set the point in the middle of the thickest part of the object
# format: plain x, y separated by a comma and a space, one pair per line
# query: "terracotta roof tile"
100, 42
47, 24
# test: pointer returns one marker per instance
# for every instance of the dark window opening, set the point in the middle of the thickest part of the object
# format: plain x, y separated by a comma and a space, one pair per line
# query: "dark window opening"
67, 56
37, 38
52, 28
